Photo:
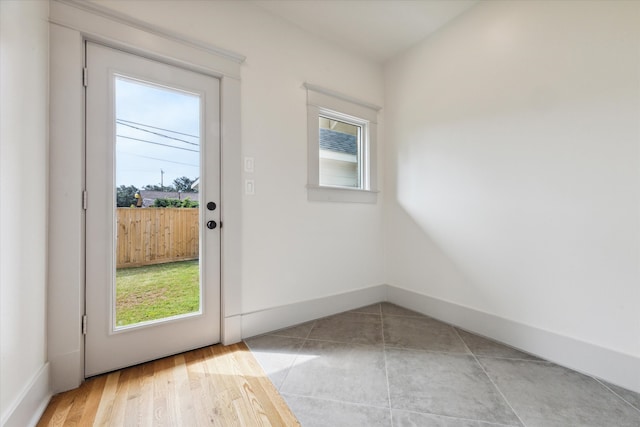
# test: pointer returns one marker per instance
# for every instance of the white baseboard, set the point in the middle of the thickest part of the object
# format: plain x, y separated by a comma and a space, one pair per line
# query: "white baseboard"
612, 366
271, 319
32, 402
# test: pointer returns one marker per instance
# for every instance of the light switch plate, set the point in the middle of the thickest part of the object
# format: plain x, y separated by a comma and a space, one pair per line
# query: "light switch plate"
249, 187
248, 164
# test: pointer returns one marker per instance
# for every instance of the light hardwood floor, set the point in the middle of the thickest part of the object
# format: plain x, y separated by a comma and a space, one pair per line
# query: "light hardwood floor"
212, 386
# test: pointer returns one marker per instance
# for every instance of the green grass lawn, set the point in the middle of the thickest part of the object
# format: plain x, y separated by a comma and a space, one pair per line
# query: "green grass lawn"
156, 291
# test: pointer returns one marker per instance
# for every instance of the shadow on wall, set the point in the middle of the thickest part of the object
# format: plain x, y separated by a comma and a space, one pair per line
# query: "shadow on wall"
464, 235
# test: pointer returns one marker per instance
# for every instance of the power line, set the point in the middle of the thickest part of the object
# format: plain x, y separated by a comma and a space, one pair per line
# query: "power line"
157, 158
159, 134
158, 143
154, 127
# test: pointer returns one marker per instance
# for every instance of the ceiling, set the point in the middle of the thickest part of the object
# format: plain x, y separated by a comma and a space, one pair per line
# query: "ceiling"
376, 29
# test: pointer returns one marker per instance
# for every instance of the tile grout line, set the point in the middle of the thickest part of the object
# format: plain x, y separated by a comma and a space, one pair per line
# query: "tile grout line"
616, 394
326, 399
425, 350
457, 418
453, 353
342, 342
418, 316
492, 382
293, 362
386, 369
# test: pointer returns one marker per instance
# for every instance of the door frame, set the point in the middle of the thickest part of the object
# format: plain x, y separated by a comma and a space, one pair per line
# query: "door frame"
71, 25
107, 345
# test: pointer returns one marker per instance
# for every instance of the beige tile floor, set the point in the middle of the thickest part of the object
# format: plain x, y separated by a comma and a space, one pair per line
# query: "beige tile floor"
383, 365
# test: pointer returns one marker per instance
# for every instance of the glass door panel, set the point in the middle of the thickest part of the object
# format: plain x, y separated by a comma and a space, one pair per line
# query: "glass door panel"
157, 254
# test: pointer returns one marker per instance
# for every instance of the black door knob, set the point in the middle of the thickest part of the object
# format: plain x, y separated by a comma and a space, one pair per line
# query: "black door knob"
211, 206
211, 225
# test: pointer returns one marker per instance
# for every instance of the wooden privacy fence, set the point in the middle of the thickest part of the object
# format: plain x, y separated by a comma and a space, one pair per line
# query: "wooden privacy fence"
156, 235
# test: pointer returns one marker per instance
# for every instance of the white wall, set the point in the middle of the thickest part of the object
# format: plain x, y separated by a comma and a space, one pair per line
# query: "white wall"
24, 58
289, 251
512, 167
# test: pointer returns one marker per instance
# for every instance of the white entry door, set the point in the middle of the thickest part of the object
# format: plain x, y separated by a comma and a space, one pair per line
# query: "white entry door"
152, 223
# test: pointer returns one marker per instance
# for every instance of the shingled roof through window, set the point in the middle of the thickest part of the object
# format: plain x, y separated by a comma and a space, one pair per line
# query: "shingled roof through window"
338, 141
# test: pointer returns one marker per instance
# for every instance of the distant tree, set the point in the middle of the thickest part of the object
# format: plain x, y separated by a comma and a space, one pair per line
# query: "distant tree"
175, 203
155, 187
125, 196
166, 203
188, 203
183, 184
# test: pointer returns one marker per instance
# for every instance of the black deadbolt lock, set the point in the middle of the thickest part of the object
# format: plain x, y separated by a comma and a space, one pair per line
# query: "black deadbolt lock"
211, 206
211, 225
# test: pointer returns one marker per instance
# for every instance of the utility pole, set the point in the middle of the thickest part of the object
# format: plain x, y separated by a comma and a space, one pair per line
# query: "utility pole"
161, 180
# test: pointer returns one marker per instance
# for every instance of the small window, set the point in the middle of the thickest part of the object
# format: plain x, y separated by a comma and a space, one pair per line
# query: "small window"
342, 150
340, 156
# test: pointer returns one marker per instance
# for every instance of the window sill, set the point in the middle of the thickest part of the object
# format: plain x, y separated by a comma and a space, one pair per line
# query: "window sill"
338, 194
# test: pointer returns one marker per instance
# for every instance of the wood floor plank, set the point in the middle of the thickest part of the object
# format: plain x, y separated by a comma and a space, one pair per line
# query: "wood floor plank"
249, 389
195, 371
107, 399
50, 411
56, 412
145, 399
186, 407
213, 386
233, 413
163, 411
92, 403
264, 391
221, 391
120, 401
132, 408
76, 403
59, 417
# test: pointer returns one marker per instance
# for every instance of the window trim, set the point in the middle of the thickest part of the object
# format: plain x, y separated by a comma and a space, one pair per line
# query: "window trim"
324, 102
